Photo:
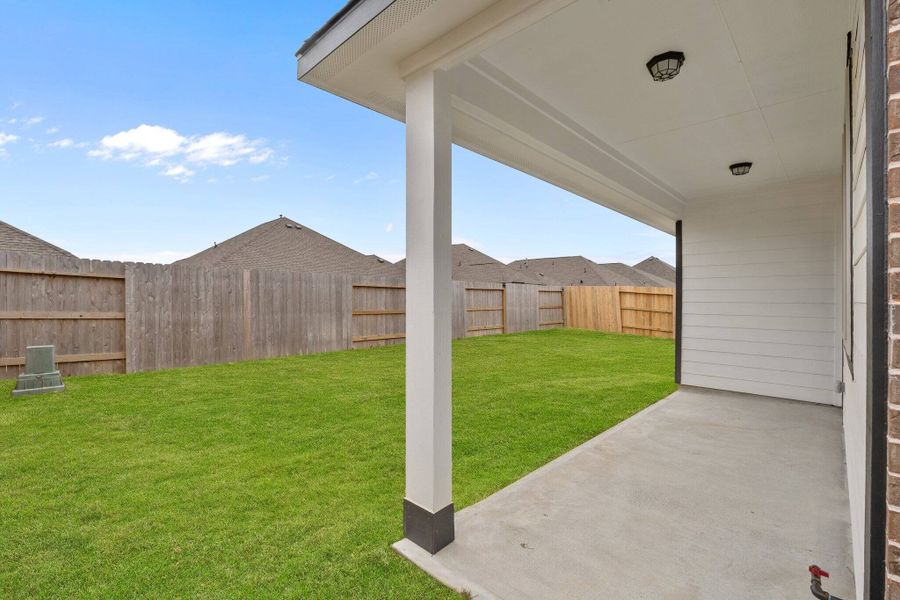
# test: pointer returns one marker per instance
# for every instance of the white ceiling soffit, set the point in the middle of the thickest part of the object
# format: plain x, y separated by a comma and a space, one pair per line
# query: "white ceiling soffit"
558, 89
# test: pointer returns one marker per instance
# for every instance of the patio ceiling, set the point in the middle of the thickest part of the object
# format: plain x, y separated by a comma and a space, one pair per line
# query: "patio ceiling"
558, 88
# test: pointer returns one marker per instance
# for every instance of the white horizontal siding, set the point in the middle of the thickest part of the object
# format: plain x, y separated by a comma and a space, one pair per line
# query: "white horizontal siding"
798, 282
768, 349
759, 303
770, 336
773, 242
783, 296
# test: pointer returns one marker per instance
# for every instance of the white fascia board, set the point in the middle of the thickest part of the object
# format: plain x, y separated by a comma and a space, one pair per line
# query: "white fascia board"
357, 18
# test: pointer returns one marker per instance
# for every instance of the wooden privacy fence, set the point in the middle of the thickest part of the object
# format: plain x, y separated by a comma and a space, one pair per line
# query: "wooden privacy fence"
648, 311
108, 317
379, 310
78, 305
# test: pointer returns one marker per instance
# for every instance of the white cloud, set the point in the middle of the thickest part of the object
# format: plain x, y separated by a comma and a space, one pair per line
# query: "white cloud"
144, 141
157, 146
12, 121
370, 176
224, 150
179, 172
261, 156
6, 138
63, 143
389, 228
52, 130
31, 121
259, 178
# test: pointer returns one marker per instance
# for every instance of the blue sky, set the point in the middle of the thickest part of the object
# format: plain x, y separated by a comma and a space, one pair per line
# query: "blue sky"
147, 131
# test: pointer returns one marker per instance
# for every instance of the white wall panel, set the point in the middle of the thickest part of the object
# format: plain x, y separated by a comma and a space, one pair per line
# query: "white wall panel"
760, 307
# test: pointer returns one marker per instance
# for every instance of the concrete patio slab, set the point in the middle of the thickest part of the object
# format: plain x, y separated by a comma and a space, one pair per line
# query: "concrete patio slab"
705, 495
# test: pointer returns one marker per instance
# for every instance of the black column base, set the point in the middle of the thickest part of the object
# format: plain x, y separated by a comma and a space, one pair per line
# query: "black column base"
431, 531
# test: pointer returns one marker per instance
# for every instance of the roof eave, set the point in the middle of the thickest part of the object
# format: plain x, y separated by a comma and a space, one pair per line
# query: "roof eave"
345, 23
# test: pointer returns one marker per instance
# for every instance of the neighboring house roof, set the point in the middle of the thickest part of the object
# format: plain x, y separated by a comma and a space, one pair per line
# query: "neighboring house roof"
657, 267
635, 276
578, 270
286, 245
13, 239
660, 280
471, 265
566, 270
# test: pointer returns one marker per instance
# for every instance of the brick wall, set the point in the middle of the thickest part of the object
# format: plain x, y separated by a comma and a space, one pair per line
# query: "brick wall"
892, 555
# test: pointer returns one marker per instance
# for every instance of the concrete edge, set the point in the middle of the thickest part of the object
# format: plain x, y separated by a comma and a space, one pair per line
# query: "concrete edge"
431, 565
577, 450
34, 391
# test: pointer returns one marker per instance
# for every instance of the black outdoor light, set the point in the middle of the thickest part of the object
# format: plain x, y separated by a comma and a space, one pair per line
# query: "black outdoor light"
741, 168
665, 66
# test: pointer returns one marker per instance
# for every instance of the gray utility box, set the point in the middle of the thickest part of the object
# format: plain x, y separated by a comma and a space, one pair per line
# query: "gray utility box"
40, 374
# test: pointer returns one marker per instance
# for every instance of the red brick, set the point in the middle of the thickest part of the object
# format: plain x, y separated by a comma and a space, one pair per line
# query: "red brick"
894, 79
894, 183
895, 319
893, 526
894, 490
892, 589
894, 217
894, 391
894, 430
894, 252
894, 463
894, 114
894, 13
893, 560
893, 47
894, 285
894, 147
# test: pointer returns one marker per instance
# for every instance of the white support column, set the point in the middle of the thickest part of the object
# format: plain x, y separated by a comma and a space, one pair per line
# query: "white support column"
428, 508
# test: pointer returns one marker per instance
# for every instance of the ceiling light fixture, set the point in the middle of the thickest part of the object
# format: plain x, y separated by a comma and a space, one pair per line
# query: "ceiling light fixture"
665, 66
741, 168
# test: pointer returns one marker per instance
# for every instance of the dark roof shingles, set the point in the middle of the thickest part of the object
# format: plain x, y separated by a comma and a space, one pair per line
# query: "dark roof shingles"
13, 239
285, 245
578, 270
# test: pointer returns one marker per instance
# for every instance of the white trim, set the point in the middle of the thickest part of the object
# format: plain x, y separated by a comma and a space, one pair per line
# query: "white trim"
340, 32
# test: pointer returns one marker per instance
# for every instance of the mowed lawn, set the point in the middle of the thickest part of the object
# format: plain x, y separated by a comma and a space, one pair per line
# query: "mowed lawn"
283, 477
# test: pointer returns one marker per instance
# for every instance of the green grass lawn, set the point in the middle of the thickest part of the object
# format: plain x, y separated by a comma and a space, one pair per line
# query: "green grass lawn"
283, 477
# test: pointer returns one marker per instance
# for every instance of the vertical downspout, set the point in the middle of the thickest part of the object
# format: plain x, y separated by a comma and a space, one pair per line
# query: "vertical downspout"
678, 296
876, 301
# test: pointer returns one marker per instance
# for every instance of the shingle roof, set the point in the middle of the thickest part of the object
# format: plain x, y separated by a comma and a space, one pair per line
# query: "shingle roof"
285, 245
578, 270
471, 265
566, 270
657, 267
13, 239
632, 276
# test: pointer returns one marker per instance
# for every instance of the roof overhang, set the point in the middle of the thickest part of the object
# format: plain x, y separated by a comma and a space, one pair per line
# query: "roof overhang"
520, 73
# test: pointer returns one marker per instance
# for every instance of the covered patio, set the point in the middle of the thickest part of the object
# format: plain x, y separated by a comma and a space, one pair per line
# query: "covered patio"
740, 128
705, 494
